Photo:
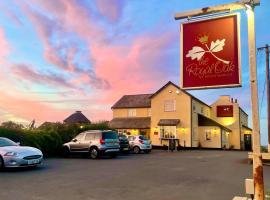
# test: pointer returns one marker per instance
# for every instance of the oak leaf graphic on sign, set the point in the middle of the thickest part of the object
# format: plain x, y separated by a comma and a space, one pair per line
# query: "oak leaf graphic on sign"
198, 52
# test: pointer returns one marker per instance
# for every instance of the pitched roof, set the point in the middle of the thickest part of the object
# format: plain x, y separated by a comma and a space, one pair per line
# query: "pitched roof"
134, 101
131, 123
171, 83
77, 117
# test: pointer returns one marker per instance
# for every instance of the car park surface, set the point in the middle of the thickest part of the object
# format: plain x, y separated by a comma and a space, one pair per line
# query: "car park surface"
161, 175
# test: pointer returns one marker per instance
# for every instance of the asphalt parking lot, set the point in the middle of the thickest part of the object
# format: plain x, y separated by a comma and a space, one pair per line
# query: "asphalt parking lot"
184, 175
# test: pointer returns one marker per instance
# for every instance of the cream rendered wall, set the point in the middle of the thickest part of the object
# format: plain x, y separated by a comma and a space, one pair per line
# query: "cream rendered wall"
243, 121
229, 122
123, 112
183, 112
197, 108
215, 141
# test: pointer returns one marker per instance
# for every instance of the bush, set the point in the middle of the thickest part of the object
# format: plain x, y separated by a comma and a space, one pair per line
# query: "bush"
49, 137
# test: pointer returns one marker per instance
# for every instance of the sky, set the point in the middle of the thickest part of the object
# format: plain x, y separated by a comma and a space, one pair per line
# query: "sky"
57, 57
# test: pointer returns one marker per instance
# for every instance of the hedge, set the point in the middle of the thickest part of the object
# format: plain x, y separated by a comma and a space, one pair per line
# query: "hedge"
50, 137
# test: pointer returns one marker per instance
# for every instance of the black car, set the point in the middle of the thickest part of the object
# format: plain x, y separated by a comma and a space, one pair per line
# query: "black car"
124, 143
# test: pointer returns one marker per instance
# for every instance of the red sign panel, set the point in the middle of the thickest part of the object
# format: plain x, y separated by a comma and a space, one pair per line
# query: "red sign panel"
210, 53
225, 111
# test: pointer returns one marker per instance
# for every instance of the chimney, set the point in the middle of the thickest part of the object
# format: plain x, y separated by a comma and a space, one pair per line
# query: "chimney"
235, 101
231, 100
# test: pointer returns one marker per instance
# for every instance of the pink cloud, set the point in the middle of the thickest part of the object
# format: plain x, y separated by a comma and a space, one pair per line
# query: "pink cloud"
112, 9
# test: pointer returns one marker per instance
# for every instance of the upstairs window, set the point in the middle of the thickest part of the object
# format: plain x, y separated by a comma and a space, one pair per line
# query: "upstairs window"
131, 112
149, 112
169, 105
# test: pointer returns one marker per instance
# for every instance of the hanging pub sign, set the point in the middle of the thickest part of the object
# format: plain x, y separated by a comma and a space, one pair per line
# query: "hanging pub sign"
210, 53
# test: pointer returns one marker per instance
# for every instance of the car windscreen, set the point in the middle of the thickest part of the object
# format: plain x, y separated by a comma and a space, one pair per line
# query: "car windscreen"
141, 137
6, 142
109, 135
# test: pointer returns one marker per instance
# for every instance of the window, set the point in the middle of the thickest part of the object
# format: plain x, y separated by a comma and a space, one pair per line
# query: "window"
168, 131
169, 105
90, 136
149, 112
109, 135
194, 107
202, 110
79, 137
208, 135
131, 112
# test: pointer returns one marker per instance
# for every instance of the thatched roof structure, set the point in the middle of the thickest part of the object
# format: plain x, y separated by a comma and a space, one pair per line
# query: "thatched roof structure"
77, 117
134, 101
130, 123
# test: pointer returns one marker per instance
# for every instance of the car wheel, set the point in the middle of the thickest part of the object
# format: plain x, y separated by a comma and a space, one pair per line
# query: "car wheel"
66, 152
94, 154
136, 149
2, 164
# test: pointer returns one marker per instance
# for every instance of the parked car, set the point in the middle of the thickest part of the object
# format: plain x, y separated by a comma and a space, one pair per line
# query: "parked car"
14, 155
95, 143
139, 143
124, 143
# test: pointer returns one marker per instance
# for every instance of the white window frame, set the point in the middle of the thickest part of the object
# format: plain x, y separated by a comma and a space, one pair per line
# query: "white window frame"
170, 105
149, 112
131, 112
168, 132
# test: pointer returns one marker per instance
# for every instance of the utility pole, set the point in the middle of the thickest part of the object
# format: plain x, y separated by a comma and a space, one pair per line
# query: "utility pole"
266, 48
249, 6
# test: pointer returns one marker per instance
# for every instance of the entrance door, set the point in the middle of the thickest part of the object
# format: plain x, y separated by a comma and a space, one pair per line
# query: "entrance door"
248, 142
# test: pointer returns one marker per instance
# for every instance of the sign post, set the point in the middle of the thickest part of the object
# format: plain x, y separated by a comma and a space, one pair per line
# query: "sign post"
249, 5
257, 156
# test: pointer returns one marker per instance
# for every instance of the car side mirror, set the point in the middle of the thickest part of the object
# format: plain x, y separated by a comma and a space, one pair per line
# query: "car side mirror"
74, 140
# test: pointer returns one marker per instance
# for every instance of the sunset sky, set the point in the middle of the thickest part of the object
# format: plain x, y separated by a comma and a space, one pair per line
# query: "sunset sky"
57, 57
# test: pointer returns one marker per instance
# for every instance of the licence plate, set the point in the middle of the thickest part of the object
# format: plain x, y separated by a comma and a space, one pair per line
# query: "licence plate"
125, 149
32, 162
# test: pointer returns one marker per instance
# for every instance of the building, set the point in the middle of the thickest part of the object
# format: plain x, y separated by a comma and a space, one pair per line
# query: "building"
172, 112
77, 118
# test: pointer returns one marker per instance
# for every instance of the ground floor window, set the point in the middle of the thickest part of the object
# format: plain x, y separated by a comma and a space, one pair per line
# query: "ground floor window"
168, 132
208, 135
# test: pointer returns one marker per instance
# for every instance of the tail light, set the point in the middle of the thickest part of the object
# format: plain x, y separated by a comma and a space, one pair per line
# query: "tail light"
102, 141
141, 141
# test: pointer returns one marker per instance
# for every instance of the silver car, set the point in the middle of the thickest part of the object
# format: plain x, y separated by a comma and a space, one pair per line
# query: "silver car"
139, 143
14, 155
95, 143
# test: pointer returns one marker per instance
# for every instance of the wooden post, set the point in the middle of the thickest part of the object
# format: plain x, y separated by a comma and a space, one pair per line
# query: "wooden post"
257, 157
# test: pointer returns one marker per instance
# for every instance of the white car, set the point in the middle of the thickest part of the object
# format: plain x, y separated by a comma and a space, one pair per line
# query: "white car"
139, 143
14, 155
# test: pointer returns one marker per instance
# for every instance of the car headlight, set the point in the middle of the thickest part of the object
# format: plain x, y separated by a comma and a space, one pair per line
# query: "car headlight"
11, 153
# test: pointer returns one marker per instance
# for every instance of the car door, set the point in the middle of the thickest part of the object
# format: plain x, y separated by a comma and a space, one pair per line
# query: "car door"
88, 140
75, 144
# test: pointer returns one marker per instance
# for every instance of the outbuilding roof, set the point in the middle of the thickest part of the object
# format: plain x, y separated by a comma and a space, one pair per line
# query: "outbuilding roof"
205, 121
134, 101
77, 117
130, 123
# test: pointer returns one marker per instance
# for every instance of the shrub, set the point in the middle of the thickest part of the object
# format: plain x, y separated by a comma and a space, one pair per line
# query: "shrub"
49, 137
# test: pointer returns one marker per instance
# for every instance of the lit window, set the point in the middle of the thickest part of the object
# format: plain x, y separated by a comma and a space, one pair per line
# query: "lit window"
131, 112
169, 106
